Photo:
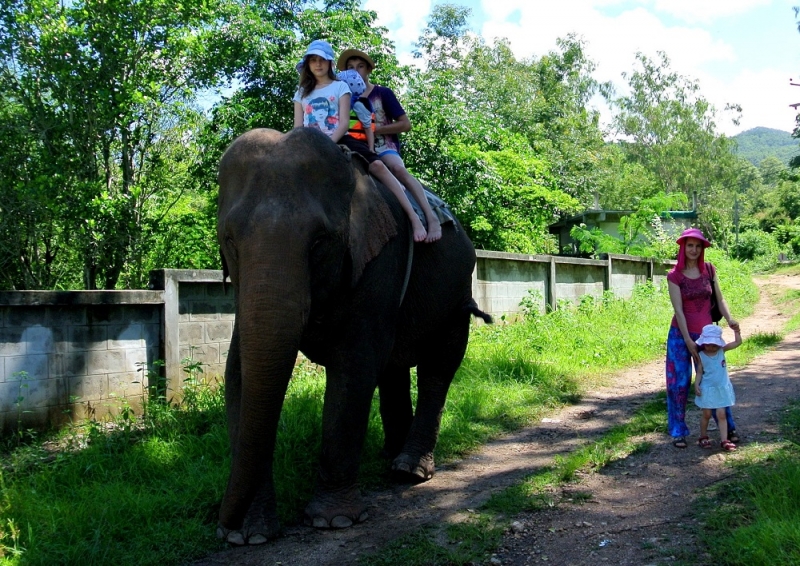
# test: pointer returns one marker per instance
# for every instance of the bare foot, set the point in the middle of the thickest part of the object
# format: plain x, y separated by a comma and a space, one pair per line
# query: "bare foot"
434, 230
419, 230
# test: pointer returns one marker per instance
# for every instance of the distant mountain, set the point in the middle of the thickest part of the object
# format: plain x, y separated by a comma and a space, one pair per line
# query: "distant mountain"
759, 143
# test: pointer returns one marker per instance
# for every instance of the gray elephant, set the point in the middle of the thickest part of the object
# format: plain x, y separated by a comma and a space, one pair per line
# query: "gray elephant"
320, 257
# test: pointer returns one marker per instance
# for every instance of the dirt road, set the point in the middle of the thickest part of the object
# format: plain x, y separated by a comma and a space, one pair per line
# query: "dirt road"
638, 512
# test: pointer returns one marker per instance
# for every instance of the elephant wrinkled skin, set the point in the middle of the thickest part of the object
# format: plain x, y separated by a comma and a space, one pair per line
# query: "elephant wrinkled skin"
317, 253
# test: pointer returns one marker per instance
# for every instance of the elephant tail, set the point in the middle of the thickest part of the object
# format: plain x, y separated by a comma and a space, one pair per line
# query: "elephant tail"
472, 307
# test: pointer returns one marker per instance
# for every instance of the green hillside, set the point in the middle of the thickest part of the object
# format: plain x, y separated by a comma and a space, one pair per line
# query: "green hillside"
759, 143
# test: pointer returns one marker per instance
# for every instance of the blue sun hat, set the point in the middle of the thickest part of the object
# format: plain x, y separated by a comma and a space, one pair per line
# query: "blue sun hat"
317, 47
354, 81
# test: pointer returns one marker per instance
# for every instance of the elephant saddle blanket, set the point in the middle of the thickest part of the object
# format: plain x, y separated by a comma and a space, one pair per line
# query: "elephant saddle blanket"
439, 207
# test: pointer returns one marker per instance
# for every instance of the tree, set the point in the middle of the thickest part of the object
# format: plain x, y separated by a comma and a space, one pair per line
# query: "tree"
508, 142
93, 85
667, 127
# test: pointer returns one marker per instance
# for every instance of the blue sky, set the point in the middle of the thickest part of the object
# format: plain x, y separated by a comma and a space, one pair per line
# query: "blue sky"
742, 51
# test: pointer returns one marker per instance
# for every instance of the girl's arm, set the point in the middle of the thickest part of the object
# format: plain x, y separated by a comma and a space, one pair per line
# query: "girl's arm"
344, 121
723, 306
677, 306
698, 368
737, 340
298, 115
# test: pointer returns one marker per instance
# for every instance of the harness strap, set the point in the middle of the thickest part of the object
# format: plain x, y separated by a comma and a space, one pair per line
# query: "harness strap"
408, 265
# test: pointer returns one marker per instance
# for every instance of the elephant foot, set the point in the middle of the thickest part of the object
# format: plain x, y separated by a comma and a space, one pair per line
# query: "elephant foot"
252, 533
337, 510
413, 470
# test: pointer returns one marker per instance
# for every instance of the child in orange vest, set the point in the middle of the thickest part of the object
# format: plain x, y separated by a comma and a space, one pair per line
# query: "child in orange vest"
362, 115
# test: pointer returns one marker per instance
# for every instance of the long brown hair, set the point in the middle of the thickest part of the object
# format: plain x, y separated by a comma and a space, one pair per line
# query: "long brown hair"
308, 82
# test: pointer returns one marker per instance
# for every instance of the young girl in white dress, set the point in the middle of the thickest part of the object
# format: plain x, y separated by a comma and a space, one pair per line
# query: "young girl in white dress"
713, 387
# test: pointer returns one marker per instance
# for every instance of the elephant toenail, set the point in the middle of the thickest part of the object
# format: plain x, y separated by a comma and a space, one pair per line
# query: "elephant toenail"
319, 523
256, 539
235, 538
363, 517
341, 522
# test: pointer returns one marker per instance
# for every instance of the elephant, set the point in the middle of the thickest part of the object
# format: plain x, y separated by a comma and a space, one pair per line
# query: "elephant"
320, 258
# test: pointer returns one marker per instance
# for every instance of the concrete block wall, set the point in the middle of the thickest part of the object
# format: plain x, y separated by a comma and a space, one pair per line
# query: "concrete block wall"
578, 277
501, 281
629, 271
80, 350
205, 324
62, 357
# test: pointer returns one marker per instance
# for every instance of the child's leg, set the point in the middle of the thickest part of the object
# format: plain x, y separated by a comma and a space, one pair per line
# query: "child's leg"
397, 167
380, 171
705, 417
722, 423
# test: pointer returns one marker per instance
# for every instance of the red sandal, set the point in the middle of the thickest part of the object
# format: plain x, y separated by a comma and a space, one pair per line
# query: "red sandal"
727, 445
704, 442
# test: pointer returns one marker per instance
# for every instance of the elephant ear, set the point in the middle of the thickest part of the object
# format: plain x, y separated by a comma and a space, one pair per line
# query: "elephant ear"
372, 223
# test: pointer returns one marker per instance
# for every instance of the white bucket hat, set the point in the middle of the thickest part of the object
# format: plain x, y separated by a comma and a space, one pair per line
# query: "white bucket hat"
712, 334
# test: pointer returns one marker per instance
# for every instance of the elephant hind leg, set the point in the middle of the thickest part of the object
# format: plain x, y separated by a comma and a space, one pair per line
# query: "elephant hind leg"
397, 413
438, 364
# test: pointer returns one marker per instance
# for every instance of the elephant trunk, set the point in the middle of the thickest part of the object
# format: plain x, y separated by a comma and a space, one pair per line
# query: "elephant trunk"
271, 318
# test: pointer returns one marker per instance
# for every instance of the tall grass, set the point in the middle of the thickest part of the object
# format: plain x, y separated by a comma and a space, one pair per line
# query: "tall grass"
148, 492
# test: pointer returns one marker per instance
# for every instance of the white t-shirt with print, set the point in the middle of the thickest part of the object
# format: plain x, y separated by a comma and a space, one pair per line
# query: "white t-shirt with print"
321, 106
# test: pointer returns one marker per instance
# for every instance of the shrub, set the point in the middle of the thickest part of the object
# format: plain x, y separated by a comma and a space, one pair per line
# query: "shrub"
758, 247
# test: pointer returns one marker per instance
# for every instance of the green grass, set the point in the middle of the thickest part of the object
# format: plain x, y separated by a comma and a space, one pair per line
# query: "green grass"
147, 492
756, 518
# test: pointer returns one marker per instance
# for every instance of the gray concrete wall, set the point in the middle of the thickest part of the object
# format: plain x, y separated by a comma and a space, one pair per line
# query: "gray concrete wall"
197, 322
77, 354
80, 352
502, 280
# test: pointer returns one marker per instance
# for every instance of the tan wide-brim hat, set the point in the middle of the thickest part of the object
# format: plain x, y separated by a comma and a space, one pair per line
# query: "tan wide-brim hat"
350, 53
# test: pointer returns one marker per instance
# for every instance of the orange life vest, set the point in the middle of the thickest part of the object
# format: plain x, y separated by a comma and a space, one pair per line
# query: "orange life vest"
356, 128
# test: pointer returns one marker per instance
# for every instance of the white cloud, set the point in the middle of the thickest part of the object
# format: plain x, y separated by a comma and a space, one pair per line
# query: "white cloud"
615, 30
765, 96
696, 11
406, 18
612, 42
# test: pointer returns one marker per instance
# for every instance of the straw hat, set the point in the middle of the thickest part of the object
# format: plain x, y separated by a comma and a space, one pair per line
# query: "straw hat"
349, 54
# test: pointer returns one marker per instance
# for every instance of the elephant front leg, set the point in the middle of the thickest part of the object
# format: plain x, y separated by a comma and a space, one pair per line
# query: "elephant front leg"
260, 523
337, 499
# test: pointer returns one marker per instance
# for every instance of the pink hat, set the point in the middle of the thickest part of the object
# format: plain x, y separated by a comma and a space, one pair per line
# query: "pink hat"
693, 233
